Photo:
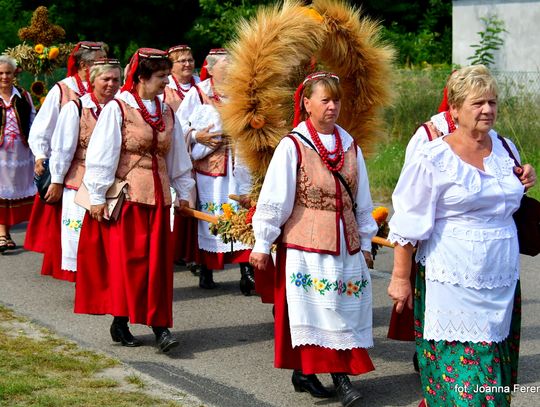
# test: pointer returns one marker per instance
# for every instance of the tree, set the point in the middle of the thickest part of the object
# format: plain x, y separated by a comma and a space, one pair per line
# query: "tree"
490, 41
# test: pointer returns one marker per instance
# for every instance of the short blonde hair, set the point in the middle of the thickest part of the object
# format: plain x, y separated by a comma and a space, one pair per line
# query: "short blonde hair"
470, 80
98, 70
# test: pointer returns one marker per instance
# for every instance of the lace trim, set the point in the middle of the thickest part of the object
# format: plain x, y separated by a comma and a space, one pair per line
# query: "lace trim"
440, 123
395, 238
344, 340
10, 194
476, 329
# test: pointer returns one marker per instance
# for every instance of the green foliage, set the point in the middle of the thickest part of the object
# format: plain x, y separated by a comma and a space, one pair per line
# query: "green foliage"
218, 21
12, 18
490, 41
431, 40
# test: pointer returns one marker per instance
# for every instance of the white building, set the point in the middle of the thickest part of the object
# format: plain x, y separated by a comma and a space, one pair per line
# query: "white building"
521, 49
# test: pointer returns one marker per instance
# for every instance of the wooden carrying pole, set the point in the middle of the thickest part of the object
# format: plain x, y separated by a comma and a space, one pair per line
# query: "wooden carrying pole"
213, 219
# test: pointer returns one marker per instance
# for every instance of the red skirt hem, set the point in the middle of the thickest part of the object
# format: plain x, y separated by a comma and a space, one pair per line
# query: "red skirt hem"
217, 261
14, 211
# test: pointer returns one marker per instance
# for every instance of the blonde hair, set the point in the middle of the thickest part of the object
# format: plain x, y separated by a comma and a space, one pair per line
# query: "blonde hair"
98, 70
470, 80
329, 84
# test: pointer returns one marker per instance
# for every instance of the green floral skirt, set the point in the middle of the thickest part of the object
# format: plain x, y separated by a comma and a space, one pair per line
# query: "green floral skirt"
466, 373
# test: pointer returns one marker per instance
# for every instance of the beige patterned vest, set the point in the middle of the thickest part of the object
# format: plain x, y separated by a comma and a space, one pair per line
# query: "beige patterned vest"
321, 202
215, 163
143, 156
76, 171
67, 94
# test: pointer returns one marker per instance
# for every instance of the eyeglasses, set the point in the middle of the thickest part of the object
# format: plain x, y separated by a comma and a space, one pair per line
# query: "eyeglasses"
185, 61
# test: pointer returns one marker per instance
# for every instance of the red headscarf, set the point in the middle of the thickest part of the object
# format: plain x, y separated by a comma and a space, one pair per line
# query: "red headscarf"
300, 90
148, 53
72, 67
444, 106
214, 51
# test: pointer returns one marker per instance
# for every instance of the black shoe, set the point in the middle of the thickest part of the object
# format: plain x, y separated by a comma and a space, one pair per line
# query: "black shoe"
347, 394
415, 362
206, 279
311, 384
165, 341
121, 333
247, 279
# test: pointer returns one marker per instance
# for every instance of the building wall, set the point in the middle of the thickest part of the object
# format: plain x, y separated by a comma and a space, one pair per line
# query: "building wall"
521, 49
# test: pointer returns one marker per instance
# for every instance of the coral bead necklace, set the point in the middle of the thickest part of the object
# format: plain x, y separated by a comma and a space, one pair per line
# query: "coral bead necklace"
335, 163
158, 124
80, 85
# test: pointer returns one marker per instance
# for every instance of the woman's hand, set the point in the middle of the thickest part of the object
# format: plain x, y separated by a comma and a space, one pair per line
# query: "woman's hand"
368, 258
245, 201
211, 140
400, 291
527, 175
260, 261
54, 193
39, 169
182, 204
99, 212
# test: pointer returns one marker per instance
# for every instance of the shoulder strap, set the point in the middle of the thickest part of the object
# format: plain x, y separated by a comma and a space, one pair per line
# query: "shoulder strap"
121, 109
336, 173
199, 92
507, 148
79, 106
298, 152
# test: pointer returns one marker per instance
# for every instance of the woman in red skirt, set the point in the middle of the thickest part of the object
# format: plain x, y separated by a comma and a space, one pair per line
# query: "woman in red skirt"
125, 266
16, 159
316, 196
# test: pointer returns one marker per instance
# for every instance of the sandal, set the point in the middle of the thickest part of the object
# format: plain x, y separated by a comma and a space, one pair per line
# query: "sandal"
11, 245
3, 244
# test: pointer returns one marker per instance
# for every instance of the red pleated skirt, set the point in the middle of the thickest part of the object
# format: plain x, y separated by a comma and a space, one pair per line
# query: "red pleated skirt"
310, 359
185, 239
124, 268
14, 211
217, 261
401, 327
40, 218
264, 284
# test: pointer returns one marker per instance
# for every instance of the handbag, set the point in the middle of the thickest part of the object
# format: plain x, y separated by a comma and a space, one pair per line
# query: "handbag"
527, 218
43, 181
114, 198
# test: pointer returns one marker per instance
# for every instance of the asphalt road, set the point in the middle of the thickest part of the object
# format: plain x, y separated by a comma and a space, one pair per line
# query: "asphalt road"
225, 358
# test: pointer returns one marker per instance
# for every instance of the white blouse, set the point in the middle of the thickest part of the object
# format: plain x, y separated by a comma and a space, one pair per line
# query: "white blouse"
43, 127
104, 152
462, 215
66, 137
276, 200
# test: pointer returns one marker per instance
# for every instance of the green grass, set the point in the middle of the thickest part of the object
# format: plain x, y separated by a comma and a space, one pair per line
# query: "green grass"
418, 96
41, 370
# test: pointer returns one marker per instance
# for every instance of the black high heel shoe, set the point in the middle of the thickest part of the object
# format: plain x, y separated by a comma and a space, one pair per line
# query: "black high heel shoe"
247, 279
120, 333
311, 384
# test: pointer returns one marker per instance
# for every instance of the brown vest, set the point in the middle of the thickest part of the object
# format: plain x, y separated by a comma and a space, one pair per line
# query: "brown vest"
143, 156
67, 94
321, 202
214, 164
76, 171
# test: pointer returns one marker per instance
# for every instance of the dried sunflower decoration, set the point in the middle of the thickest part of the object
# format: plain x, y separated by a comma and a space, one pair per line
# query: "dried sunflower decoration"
380, 214
46, 54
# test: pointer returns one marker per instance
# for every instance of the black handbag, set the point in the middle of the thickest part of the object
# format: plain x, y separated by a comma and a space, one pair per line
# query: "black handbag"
527, 218
43, 181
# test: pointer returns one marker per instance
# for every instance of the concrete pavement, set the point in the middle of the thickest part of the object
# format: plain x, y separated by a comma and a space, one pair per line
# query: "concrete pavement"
226, 353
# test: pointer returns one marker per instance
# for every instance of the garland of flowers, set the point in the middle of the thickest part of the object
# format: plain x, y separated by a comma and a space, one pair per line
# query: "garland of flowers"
334, 164
159, 124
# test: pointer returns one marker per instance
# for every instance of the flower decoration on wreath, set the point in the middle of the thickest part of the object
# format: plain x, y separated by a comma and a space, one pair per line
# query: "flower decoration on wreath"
234, 225
41, 52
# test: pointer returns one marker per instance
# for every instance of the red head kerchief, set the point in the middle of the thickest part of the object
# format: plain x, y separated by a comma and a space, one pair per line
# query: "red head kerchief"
148, 53
72, 67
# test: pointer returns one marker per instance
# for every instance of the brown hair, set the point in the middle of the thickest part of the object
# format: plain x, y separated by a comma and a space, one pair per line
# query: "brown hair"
329, 84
